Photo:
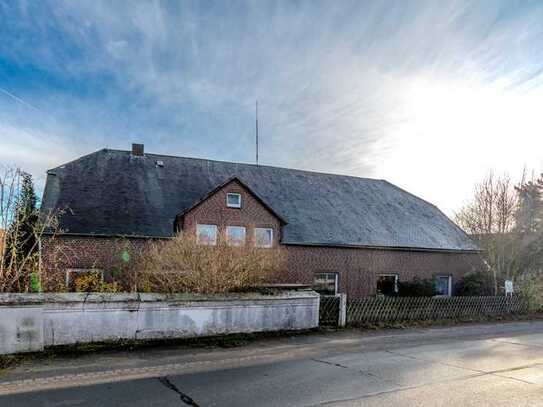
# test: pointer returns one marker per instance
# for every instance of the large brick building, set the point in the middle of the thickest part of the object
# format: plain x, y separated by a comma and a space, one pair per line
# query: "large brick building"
346, 234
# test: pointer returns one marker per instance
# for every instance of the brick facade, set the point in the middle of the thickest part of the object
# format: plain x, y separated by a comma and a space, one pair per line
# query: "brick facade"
358, 268
214, 211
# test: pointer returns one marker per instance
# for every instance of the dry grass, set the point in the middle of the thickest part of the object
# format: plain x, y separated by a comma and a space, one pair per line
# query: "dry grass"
181, 265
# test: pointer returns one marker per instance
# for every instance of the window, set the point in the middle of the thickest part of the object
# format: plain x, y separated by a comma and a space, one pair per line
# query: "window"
91, 277
206, 234
233, 200
263, 237
235, 235
325, 283
387, 284
443, 286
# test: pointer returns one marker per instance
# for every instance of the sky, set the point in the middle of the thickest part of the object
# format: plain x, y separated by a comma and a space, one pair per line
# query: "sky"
429, 95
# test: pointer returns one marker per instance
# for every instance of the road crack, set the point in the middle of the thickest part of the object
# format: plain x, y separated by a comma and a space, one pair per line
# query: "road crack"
184, 398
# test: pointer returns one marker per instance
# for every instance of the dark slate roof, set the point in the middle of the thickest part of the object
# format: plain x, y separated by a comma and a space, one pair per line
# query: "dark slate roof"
111, 192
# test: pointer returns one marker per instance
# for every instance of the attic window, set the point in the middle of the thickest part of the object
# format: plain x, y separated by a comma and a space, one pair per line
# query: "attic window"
233, 200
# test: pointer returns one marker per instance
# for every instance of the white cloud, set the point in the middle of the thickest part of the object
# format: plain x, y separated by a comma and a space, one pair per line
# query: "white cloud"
425, 94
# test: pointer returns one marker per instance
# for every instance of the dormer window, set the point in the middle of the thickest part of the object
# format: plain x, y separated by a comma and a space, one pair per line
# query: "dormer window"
233, 200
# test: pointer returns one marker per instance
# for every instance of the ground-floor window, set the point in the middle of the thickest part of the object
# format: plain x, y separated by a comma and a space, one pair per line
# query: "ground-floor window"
83, 279
325, 283
387, 284
443, 286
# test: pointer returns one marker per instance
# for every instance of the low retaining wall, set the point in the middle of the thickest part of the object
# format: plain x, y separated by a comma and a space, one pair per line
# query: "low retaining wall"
30, 322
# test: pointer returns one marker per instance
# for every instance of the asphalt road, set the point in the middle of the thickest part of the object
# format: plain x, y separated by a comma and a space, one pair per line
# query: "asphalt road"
469, 365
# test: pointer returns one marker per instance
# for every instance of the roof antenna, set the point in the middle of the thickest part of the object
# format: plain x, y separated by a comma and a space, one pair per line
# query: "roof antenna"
256, 132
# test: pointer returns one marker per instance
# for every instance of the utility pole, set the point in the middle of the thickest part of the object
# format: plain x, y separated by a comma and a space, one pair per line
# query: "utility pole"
256, 132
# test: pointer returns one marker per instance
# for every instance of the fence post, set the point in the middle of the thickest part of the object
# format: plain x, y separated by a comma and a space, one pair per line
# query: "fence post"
342, 320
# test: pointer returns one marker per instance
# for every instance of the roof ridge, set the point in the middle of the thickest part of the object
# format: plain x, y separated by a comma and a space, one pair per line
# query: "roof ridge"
251, 165
76, 160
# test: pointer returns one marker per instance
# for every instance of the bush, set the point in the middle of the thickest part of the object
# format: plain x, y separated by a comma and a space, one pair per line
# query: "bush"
418, 287
530, 289
475, 284
182, 265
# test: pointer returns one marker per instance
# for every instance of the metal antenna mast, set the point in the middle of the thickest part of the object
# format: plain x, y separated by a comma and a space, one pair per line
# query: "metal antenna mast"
257, 132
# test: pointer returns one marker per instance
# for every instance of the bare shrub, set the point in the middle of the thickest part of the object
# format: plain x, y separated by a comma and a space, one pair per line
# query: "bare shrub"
182, 265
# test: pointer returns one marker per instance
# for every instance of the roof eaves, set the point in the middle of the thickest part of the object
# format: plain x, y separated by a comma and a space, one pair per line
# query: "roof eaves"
374, 247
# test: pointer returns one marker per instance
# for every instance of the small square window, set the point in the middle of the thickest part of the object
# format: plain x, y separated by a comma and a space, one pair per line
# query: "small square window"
235, 235
443, 286
325, 283
264, 237
233, 200
206, 235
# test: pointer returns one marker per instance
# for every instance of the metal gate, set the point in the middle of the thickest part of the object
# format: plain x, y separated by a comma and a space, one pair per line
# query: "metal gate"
329, 310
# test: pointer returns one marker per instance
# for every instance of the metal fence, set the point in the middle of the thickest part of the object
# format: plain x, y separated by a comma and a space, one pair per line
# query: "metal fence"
329, 310
391, 309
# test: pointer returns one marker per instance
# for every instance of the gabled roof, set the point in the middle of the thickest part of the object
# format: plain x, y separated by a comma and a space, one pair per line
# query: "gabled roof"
111, 192
221, 186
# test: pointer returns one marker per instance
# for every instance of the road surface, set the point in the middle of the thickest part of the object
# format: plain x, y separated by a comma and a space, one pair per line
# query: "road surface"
465, 365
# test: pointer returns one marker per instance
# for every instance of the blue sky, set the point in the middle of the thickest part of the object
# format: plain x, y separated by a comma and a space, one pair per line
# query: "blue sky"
428, 95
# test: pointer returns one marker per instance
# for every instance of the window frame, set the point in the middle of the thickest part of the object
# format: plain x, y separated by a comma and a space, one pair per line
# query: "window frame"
271, 238
72, 273
236, 227
396, 281
449, 285
198, 225
228, 205
336, 280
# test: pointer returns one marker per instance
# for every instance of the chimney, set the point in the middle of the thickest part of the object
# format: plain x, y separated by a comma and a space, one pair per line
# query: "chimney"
137, 150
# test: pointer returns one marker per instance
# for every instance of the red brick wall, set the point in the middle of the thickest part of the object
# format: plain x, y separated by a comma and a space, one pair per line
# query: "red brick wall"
214, 211
65, 252
358, 268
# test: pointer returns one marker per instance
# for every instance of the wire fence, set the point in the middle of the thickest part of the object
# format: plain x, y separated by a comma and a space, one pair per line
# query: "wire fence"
393, 309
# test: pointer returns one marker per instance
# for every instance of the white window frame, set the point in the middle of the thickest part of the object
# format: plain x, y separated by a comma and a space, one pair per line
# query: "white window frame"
229, 194
396, 280
449, 288
214, 243
271, 239
244, 235
336, 279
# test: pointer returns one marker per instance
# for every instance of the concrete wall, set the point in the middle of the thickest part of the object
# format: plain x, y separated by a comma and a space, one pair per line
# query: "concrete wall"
30, 322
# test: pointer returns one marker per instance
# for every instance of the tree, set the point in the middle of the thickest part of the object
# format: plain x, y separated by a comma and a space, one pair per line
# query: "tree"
21, 241
490, 218
529, 216
529, 224
22, 227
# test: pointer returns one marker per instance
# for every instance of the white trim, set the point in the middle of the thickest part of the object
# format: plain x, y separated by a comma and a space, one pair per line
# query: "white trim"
240, 228
396, 279
233, 205
271, 238
449, 288
336, 279
214, 242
